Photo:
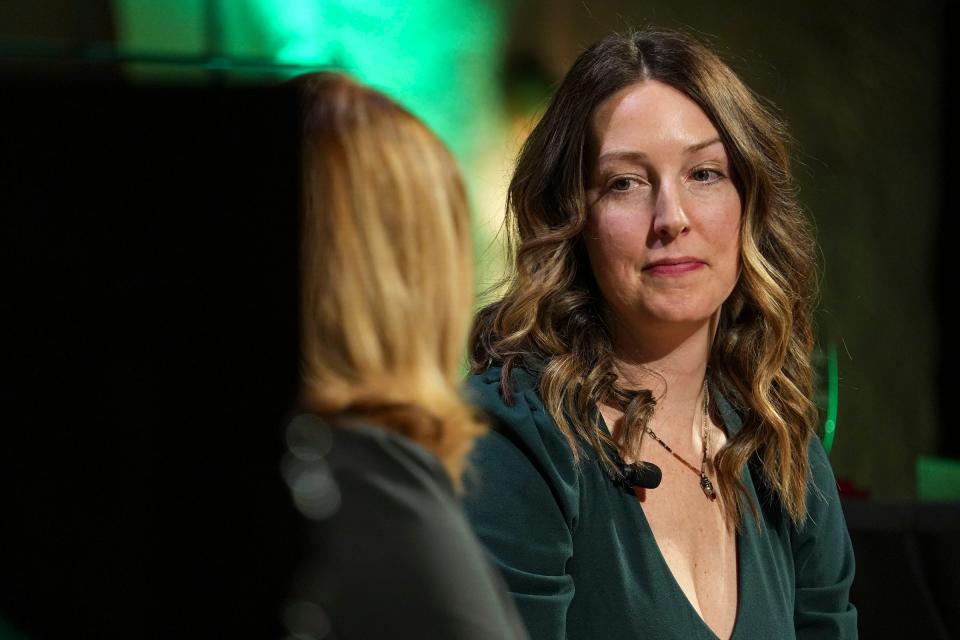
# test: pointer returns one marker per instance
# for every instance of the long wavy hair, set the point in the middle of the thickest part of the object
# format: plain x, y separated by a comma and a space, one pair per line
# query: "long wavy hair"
552, 314
386, 268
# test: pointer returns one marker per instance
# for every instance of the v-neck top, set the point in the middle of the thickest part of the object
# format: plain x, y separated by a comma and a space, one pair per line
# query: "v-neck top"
580, 558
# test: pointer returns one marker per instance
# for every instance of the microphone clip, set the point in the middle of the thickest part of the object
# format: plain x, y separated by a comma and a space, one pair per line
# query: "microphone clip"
645, 475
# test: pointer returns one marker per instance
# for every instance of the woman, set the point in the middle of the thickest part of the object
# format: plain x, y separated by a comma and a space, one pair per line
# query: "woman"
386, 304
652, 473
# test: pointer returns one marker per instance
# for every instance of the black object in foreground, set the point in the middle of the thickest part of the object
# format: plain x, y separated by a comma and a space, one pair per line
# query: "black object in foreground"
148, 252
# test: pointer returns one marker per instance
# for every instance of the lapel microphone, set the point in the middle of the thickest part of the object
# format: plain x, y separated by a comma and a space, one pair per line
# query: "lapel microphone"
643, 474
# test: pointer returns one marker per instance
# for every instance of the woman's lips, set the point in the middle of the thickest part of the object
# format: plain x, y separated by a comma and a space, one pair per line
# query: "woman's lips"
673, 267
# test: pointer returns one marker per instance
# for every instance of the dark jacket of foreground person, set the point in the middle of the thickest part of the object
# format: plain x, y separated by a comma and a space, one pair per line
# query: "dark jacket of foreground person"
392, 555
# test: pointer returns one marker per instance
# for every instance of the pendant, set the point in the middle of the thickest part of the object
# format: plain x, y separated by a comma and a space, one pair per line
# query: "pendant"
707, 487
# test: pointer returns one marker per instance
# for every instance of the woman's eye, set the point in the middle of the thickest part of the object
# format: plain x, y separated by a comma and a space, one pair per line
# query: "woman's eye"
706, 175
622, 184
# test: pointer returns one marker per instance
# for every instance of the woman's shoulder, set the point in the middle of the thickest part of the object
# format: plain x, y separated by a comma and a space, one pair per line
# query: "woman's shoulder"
823, 556
824, 519
384, 516
524, 447
823, 496
508, 400
362, 458
517, 412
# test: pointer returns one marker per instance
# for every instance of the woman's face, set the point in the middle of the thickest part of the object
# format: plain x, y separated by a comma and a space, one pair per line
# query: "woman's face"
663, 234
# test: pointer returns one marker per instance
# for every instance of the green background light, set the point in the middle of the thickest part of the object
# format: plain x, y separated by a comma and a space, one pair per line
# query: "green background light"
833, 392
439, 58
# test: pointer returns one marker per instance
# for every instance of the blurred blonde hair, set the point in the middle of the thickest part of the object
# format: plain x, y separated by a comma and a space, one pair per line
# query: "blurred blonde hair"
386, 268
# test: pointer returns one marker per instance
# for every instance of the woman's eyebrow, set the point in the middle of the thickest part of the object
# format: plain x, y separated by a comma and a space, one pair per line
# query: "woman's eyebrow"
629, 156
639, 156
702, 145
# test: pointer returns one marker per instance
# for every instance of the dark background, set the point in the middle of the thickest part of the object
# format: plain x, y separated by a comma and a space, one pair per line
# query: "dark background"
148, 271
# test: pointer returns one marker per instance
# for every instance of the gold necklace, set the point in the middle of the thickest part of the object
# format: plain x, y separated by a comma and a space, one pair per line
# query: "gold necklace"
705, 483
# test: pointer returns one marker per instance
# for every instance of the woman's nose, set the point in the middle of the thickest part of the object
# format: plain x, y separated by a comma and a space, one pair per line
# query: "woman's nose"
669, 220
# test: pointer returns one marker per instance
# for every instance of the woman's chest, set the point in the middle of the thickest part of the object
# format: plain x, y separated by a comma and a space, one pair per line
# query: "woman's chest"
625, 586
698, 544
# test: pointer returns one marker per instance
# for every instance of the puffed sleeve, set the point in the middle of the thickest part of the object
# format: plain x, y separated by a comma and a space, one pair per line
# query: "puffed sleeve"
522, 498
823, 559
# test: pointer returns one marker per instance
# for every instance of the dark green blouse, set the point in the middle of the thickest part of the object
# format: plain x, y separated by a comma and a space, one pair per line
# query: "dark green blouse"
580, 558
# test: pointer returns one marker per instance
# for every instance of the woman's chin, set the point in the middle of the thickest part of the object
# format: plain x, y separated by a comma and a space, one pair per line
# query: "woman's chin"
678, 316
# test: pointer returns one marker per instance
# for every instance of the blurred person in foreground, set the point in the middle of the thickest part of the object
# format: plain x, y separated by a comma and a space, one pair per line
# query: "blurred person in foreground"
374, 461
653, 471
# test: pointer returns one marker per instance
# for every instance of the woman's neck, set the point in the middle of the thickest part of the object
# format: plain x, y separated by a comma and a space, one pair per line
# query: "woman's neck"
669, 359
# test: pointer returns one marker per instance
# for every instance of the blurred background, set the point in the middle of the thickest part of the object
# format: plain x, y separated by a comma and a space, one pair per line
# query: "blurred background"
862, 85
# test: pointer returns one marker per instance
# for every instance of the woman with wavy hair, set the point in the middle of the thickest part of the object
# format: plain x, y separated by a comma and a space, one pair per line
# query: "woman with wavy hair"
386, 284
653, 470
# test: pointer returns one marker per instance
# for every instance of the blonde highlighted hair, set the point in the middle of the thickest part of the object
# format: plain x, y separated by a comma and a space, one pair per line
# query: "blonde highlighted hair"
553, 313
386, 268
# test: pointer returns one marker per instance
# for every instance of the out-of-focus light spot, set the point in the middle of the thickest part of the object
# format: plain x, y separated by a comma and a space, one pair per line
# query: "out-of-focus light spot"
312, 486
306, 621
308, 438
